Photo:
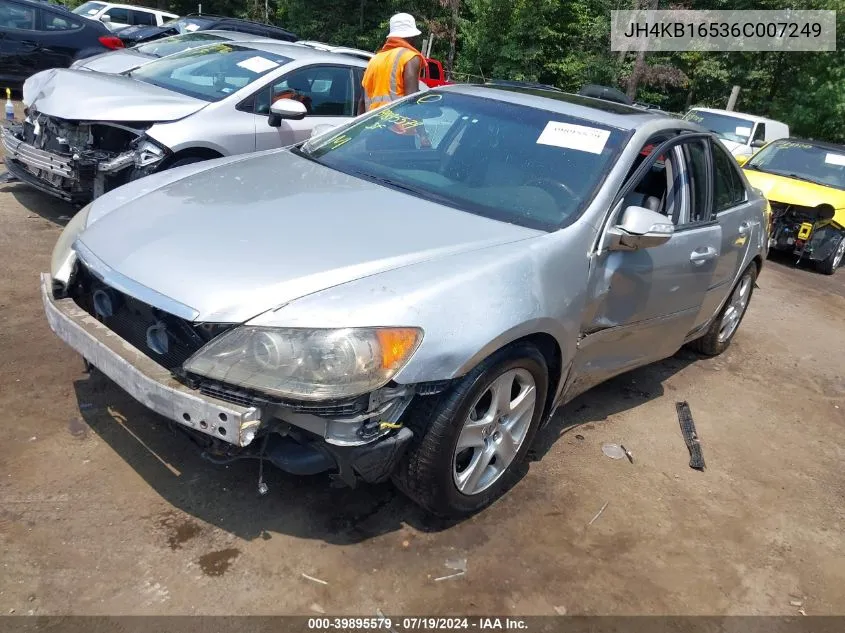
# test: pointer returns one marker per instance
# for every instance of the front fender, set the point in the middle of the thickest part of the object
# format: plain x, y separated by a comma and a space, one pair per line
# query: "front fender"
468, 305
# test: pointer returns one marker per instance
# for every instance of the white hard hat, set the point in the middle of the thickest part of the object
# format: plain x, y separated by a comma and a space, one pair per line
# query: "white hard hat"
403, 25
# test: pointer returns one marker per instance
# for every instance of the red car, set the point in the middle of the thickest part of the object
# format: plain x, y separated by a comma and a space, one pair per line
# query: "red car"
433, 74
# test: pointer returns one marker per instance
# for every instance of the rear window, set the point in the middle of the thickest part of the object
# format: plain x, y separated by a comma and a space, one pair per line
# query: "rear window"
89, 8
210, 72
730, 128
176, 44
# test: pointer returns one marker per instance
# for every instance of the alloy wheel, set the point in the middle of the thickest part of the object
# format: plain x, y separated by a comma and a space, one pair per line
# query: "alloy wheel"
494, 431
735, 308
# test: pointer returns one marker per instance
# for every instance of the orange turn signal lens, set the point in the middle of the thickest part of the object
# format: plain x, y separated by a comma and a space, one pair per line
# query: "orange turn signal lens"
397, 344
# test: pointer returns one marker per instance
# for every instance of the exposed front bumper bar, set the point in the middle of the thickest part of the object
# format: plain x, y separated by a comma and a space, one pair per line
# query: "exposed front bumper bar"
33, 157
143, 378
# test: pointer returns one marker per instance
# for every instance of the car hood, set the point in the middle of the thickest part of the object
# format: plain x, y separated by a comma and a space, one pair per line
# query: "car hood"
115, 62
81, 95
735, 148
793, 191
235, 240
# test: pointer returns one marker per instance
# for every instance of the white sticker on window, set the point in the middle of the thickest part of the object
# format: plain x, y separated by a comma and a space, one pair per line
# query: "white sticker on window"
92, 11
835, 159
190, 28
743, 131
571, 136
258, 64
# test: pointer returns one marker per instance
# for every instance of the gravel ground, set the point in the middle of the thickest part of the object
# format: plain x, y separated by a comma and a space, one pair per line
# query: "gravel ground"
105, 510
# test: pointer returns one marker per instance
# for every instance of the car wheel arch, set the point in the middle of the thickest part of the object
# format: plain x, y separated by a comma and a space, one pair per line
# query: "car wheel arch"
547, 344
203, 153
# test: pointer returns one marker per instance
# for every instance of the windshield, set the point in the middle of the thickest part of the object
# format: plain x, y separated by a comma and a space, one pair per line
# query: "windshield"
187, 25
211, 72
724, 126
88, 8
175, 44
802, 160
513, 163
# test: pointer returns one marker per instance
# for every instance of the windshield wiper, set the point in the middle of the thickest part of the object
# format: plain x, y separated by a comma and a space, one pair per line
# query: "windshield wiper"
804, 178
388, 182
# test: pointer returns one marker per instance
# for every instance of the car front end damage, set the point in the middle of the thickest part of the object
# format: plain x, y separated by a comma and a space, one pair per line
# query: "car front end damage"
150, 354
805, 232
77, 161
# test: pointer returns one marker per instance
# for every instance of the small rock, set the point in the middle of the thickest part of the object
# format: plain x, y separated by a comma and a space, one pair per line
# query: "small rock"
796, 603
31, 597
560, 610
11, 611
316, 608
406, 544
677, 477
33, 438
579, 437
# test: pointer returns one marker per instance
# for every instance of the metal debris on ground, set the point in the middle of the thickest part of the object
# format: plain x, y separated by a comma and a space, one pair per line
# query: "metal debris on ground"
560, 610
457, 564
312, 579
579, 437
627, 453
690, 436
613, 451
598, 514
383, 620
316, 608
796, 603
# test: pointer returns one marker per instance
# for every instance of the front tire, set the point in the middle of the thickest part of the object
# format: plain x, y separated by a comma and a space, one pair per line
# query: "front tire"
829, 265
470, 441
721, 332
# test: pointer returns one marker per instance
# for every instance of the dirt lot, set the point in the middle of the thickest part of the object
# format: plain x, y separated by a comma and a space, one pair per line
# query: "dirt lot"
104, 510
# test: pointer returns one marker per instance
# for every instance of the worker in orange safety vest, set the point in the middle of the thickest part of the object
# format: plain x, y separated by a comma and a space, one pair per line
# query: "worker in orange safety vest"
395, 70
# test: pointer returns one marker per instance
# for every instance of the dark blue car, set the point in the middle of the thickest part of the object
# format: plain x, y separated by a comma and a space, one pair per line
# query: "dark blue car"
35, 36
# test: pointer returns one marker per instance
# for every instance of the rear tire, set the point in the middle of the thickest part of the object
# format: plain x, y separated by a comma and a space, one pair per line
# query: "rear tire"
490, 411
829, 265
718, 338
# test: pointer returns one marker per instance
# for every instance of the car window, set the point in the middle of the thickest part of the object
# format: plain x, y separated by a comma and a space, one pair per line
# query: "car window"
176, 44
513, 163
142, 18
324, 90
730, 128
728, 190
118, 15
16, 16
695, 154
89, 8
760, 132
54, 22
803, 160
210, 72
433, 71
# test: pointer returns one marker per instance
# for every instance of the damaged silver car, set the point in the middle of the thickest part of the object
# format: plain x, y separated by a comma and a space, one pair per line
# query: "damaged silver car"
411, 296
86, 133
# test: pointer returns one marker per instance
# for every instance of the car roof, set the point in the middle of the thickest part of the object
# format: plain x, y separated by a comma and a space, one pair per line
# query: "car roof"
599, 110
296, 51
354, 52
739, 115
134, 6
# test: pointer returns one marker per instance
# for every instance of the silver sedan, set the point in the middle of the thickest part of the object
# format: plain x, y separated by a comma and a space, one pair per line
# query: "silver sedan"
412, 296
205, 102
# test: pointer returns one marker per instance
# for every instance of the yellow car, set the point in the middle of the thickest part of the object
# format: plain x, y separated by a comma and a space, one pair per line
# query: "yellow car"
804, 182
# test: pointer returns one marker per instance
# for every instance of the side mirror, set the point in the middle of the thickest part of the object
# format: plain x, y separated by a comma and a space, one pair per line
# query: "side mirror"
640, 228
758, 143
286, 109
105, 18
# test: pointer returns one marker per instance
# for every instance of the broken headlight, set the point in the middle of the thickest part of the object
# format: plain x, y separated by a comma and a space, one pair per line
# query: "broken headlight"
148, 154
304, 363
63, 259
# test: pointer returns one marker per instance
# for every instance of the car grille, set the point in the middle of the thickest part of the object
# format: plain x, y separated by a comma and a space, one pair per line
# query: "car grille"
132, 319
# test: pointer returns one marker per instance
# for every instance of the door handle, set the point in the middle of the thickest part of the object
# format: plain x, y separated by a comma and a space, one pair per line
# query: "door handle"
701, 255
31, 45
744, 228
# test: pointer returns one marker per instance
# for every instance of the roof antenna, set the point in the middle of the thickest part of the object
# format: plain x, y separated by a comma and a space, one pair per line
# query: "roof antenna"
199, 9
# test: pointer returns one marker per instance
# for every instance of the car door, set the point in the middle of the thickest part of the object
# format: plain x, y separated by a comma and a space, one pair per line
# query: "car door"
18, 40
327, 92
59, 34
118, 18
641, 304
731, 208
